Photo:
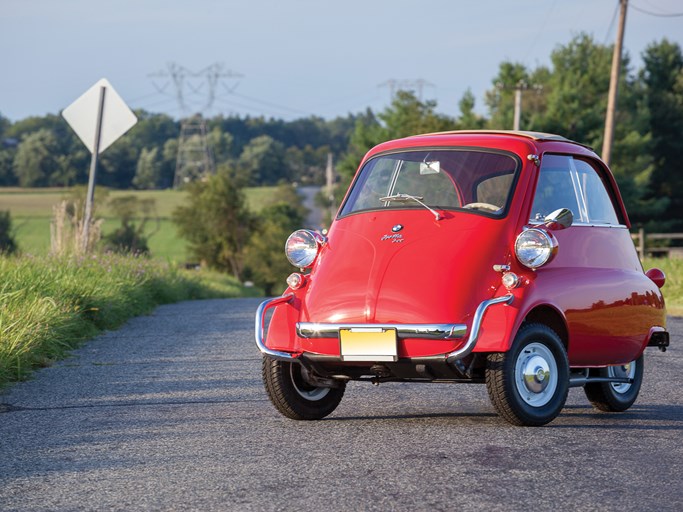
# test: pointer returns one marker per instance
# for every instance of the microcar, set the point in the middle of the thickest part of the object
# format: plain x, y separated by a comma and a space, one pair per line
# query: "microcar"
500, 258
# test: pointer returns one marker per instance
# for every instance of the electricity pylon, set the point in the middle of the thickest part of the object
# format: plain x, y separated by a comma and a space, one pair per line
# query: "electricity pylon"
406, 85
195, 93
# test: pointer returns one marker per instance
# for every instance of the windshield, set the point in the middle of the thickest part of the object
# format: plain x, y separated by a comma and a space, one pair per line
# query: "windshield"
470, 180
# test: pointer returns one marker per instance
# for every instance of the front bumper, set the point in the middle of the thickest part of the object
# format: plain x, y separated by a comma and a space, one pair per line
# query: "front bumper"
424, 331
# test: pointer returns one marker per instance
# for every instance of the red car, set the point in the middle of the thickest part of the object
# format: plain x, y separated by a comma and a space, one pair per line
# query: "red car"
501, 258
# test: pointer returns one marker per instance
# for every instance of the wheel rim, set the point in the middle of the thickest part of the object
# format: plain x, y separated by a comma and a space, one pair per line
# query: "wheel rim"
536, 374
626, 371
303, 388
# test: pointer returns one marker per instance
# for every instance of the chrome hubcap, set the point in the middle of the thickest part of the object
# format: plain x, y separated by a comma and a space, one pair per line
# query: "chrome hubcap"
303, 388
626, 371
536, 374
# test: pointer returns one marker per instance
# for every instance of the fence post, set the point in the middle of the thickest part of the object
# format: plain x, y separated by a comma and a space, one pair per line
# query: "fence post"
641, 242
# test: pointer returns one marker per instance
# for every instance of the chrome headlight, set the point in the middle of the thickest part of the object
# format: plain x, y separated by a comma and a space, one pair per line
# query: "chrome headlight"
302, 247
535, 247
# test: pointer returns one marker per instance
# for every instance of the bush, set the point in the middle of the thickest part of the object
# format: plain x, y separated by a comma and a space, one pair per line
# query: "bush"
7, 243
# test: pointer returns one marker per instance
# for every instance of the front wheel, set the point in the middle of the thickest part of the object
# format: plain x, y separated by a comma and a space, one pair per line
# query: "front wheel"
616, 396
528, 385
293, 396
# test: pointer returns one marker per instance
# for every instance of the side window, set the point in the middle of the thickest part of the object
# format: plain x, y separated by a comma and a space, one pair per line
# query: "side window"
566, 182
555, 188
599, 207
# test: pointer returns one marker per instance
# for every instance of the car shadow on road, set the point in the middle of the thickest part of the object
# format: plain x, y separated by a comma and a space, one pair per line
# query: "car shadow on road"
420, 416
639, 417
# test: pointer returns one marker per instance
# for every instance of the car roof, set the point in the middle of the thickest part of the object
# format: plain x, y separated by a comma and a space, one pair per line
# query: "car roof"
535, 136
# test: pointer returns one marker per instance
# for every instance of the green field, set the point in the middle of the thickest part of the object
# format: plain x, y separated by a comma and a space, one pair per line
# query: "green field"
31, 211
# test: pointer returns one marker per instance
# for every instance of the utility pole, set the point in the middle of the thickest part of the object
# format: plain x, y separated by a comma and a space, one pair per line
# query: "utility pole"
518, 88
614, 86
329, 184
518, 106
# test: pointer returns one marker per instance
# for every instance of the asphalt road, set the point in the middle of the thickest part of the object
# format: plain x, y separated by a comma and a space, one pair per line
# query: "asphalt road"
169, 413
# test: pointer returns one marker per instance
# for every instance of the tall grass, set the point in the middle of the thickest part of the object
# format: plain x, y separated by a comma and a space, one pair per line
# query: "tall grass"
673, 288
49, 305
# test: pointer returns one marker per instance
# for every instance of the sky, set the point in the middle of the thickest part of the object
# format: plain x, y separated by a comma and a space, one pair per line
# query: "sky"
294, 58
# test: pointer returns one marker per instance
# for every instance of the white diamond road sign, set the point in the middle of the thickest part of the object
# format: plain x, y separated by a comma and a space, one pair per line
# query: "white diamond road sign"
117, 118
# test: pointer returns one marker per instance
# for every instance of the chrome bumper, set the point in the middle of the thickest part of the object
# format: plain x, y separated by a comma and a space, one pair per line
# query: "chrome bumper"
260, 326
424, 331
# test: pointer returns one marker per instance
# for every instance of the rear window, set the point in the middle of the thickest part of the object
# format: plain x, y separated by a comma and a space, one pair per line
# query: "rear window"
470, 180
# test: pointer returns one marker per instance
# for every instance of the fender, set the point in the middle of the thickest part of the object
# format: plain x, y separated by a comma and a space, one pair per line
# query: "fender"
500, 325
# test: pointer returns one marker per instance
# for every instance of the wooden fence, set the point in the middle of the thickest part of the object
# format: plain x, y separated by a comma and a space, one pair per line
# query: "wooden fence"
641, 240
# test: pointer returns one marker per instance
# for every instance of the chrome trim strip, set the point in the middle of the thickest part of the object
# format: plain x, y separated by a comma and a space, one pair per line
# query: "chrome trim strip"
535, 223
426, 331
471, 342
260, 326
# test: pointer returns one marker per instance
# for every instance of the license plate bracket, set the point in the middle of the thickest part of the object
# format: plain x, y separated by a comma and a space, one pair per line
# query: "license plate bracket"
368, 344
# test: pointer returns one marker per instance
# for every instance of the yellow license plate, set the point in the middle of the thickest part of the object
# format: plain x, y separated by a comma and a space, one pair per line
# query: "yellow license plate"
368, 344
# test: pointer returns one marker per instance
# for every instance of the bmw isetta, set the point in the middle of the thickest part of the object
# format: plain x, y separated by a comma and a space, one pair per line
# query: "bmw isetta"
501, 258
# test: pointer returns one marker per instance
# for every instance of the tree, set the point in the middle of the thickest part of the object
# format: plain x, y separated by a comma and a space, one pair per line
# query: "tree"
307, 165
577, 90
36, 159
468, 118
265, 261
216, 222
7, 176
662, 78
130, 236
148, 169
263, 161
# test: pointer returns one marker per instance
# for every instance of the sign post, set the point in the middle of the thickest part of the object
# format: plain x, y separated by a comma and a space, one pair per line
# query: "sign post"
99, 117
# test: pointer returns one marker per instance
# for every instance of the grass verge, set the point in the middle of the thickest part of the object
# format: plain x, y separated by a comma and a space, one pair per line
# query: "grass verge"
49, 305
673, 288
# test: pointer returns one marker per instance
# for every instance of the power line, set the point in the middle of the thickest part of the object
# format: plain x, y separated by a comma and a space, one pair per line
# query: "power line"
542, 27
611, 23
271, 104
657, 14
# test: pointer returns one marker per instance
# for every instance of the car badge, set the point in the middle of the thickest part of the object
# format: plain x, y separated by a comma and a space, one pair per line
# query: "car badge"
397, 228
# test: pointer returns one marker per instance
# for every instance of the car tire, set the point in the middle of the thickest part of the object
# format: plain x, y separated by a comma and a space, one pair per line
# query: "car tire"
528, 385
295, 398
615, 397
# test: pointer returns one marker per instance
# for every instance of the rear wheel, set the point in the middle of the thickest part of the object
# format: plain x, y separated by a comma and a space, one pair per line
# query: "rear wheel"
616, 396
528, 385
293, 396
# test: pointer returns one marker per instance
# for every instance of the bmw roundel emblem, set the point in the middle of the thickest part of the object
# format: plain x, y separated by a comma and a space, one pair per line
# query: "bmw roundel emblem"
397, 228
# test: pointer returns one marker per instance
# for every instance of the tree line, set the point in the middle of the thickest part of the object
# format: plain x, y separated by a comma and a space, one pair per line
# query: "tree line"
567, 97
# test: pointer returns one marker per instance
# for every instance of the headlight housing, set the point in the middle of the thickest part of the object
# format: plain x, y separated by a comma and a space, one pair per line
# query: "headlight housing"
302, 247
535, 247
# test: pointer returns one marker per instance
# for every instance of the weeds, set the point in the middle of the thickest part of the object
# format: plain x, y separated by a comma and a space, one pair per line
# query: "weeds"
49, 305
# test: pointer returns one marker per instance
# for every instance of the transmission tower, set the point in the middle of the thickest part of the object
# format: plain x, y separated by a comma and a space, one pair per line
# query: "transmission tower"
194, 160
416, 86
195, 92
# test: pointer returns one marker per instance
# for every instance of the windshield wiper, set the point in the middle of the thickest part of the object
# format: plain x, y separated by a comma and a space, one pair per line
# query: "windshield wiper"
407, 197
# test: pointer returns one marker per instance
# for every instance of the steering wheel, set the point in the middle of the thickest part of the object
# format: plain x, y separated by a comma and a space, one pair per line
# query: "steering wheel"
482, 206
